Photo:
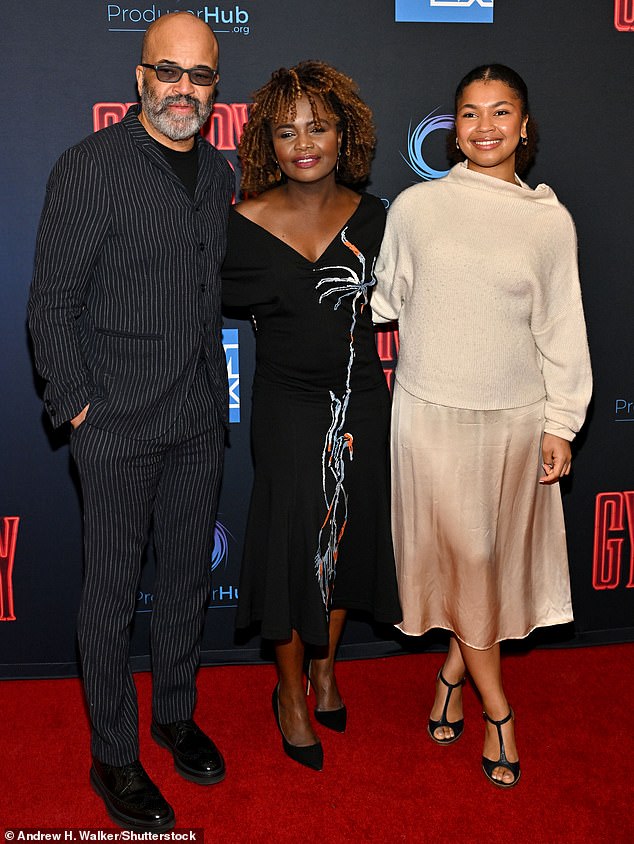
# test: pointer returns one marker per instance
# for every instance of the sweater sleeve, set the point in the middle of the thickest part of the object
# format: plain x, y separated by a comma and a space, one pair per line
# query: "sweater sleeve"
72, 230
393, 268
559, 330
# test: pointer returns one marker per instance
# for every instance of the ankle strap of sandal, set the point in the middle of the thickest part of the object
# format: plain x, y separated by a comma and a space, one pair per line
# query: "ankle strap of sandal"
497, 723
447, 683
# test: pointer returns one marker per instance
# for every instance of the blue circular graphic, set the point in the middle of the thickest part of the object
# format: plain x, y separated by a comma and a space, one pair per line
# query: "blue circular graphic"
220, 553
416, 140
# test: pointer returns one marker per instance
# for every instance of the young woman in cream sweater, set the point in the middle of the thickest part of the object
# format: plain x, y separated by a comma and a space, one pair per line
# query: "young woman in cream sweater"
492, 383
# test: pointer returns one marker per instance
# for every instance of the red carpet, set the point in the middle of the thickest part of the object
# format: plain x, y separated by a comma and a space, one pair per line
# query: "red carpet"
383, 781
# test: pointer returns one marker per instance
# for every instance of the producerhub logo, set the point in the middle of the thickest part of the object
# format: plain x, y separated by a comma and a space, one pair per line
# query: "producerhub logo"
444, 11
623, 410
416, 139
219, 558
233, 19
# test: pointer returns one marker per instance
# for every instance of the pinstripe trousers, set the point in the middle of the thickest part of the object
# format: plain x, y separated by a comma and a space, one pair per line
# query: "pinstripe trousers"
169, 484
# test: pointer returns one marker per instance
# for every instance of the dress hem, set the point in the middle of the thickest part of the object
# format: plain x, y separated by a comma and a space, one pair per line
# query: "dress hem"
315, 640
495, 642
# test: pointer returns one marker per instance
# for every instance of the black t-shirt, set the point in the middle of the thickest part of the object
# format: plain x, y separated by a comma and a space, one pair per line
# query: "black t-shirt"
184, 164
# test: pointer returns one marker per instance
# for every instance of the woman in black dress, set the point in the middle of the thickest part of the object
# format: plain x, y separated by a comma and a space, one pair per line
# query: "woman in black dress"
300, 258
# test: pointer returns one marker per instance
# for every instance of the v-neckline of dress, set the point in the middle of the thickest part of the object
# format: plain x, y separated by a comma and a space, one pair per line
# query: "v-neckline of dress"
296, 251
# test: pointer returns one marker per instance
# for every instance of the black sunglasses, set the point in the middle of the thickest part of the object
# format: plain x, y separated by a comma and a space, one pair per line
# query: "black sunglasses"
172, 73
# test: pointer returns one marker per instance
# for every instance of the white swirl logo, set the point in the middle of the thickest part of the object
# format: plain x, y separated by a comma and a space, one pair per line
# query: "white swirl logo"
416, 139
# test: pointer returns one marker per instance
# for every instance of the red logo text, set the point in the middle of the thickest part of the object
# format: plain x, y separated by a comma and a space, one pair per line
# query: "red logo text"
624, 15
613, 525
387, 344
223, 129
8, 539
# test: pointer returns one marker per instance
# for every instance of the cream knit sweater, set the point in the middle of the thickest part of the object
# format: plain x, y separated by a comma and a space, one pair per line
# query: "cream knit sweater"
482, 276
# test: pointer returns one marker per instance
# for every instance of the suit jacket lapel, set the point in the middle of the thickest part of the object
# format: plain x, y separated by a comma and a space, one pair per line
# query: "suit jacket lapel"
145, 143
207, 165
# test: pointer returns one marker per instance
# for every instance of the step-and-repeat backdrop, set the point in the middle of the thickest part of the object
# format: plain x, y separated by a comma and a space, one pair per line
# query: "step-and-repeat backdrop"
68, 69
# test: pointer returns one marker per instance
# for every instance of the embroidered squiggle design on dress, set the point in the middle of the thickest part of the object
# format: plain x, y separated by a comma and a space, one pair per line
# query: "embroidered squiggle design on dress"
337, 442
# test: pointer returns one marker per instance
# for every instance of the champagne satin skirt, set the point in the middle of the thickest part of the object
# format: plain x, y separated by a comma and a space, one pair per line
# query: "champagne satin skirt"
480, 545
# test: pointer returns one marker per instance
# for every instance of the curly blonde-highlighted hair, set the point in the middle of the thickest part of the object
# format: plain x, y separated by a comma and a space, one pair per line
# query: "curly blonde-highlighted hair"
277, 99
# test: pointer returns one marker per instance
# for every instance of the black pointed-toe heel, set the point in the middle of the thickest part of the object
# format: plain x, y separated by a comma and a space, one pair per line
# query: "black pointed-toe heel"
312, 755
332, 719
456, 726
488, 765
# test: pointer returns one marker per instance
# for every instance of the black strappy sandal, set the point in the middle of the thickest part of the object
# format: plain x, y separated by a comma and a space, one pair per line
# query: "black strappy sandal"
456, 726
488, 765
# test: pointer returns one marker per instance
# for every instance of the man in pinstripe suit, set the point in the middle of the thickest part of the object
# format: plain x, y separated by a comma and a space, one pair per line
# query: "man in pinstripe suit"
124, 313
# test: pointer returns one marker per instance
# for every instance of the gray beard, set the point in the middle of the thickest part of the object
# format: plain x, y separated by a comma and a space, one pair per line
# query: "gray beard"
172, 126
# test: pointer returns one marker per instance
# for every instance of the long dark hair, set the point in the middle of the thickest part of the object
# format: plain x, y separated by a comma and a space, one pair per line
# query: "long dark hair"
525, 153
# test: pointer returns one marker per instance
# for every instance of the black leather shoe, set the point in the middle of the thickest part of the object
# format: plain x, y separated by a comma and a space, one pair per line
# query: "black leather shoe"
132, 800
196, 757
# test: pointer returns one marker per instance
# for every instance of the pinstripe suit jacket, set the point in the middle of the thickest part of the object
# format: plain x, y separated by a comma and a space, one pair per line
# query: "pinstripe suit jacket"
125, 296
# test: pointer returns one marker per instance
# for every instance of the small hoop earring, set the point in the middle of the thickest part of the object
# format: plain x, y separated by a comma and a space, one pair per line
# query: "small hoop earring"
523, 141
457, 144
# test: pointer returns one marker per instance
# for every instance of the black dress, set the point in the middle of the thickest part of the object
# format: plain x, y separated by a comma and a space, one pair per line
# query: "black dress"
318, 533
